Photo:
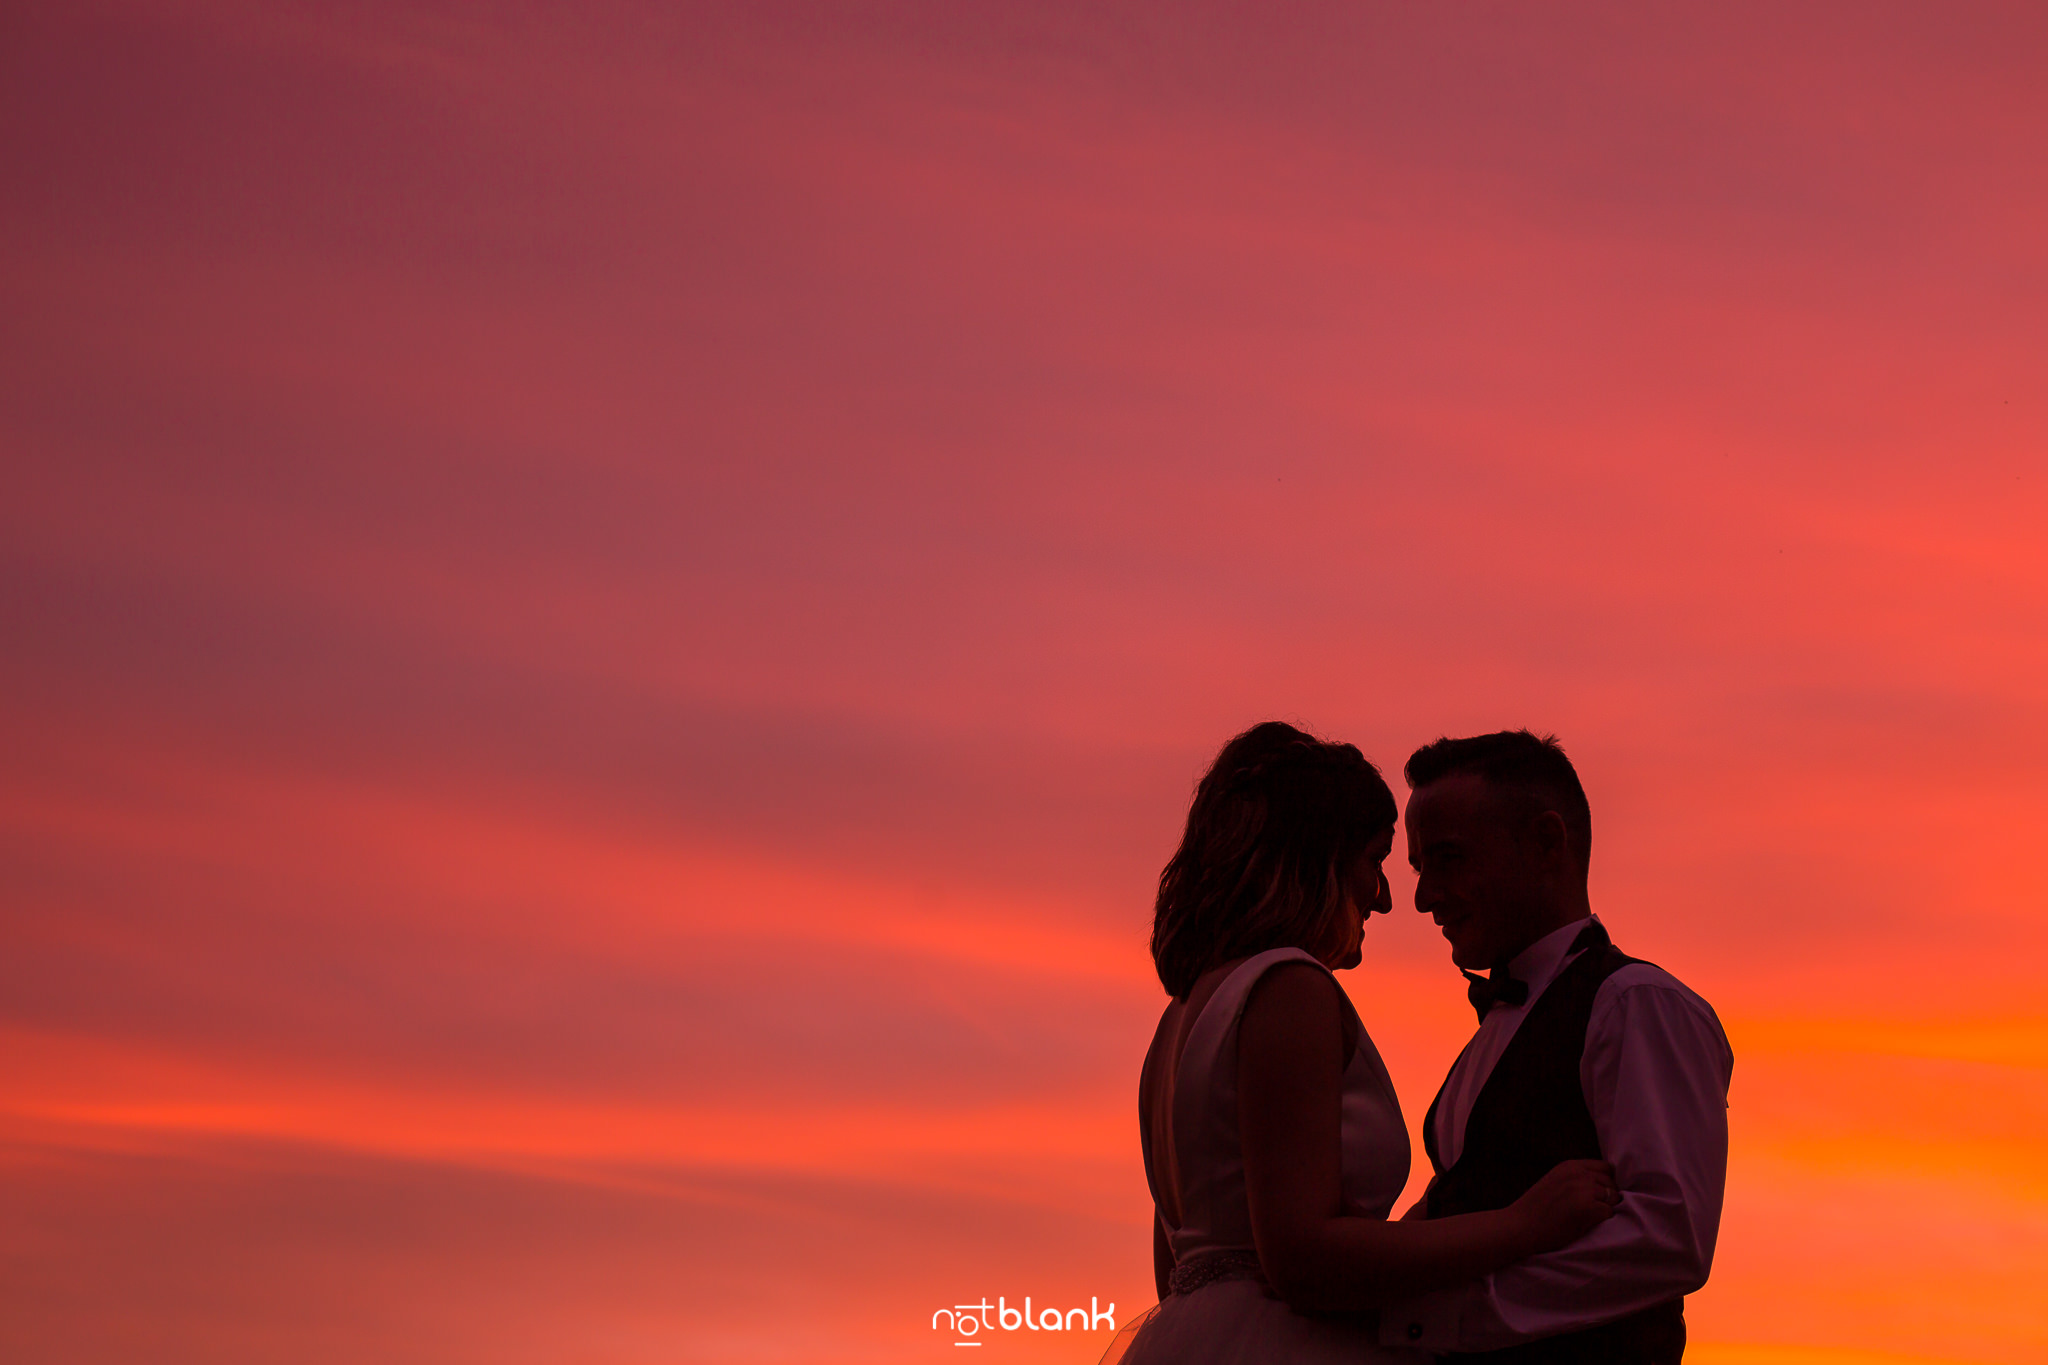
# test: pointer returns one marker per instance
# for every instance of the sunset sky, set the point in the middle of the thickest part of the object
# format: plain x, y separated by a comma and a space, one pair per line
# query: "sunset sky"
611, 609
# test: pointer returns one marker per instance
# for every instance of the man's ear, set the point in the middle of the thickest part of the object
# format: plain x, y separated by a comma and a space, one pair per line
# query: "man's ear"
1553, 841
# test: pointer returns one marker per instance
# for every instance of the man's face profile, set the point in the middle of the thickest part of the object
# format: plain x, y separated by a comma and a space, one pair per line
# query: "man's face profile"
1473, 873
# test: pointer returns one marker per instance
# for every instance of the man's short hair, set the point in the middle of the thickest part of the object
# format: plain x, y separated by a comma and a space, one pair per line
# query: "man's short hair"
1533, 766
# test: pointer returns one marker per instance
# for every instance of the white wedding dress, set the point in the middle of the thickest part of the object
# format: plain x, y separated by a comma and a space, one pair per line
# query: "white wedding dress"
1236, 1320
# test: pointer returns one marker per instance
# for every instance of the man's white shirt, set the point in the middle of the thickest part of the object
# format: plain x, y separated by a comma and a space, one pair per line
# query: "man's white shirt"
1655, 1077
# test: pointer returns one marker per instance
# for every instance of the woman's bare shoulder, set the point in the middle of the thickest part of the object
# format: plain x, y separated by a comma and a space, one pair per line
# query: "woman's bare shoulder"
1296, 986
1293, 999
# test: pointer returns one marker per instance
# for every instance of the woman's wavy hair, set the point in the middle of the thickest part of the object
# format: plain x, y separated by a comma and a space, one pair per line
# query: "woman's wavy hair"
1276, 823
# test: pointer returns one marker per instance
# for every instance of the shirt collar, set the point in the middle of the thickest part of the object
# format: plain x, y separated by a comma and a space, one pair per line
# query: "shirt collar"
1543, 959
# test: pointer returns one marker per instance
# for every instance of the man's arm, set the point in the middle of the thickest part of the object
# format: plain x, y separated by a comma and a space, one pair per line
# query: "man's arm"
1655, 1073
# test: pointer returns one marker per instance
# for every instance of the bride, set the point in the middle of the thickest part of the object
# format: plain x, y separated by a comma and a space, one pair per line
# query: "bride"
1273, 1143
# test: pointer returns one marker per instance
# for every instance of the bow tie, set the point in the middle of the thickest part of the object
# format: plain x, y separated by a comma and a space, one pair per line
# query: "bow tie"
1497, 987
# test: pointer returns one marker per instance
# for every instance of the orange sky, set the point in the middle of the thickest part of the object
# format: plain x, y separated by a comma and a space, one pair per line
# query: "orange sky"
611, 611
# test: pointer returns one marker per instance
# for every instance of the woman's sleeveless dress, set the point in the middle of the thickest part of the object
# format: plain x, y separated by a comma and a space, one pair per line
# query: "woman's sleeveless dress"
1233, 1319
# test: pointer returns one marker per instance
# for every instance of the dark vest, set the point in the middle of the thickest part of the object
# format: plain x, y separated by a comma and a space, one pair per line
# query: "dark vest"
1530, 1115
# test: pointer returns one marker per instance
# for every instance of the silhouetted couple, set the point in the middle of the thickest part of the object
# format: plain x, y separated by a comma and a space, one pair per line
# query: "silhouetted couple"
1579, 1143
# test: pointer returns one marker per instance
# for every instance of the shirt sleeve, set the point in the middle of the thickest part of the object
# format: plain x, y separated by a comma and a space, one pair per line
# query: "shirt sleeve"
1655, 1073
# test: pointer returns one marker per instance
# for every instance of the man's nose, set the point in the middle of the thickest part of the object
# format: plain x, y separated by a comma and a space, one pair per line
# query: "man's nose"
1426, 897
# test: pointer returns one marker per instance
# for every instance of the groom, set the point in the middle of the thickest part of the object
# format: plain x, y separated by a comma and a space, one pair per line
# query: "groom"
1582, 1051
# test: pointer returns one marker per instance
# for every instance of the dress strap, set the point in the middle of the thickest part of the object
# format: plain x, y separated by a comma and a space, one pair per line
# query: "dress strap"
1218, 1020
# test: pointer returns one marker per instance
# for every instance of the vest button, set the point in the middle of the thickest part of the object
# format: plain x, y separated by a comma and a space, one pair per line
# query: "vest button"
1414, 1331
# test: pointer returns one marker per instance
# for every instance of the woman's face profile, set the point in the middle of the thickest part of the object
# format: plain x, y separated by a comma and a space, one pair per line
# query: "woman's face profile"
1366, 894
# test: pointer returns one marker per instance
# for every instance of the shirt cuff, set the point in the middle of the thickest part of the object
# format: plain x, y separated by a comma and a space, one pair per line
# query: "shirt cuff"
1430, 1322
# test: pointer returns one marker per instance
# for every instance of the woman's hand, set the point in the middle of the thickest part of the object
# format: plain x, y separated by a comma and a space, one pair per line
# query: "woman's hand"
1569, 1202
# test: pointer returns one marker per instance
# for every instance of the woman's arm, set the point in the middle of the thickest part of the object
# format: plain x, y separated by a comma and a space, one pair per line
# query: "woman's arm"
1290, 1079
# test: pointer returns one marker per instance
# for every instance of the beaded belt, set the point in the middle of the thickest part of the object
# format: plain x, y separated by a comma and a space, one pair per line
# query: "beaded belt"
1207, 1267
